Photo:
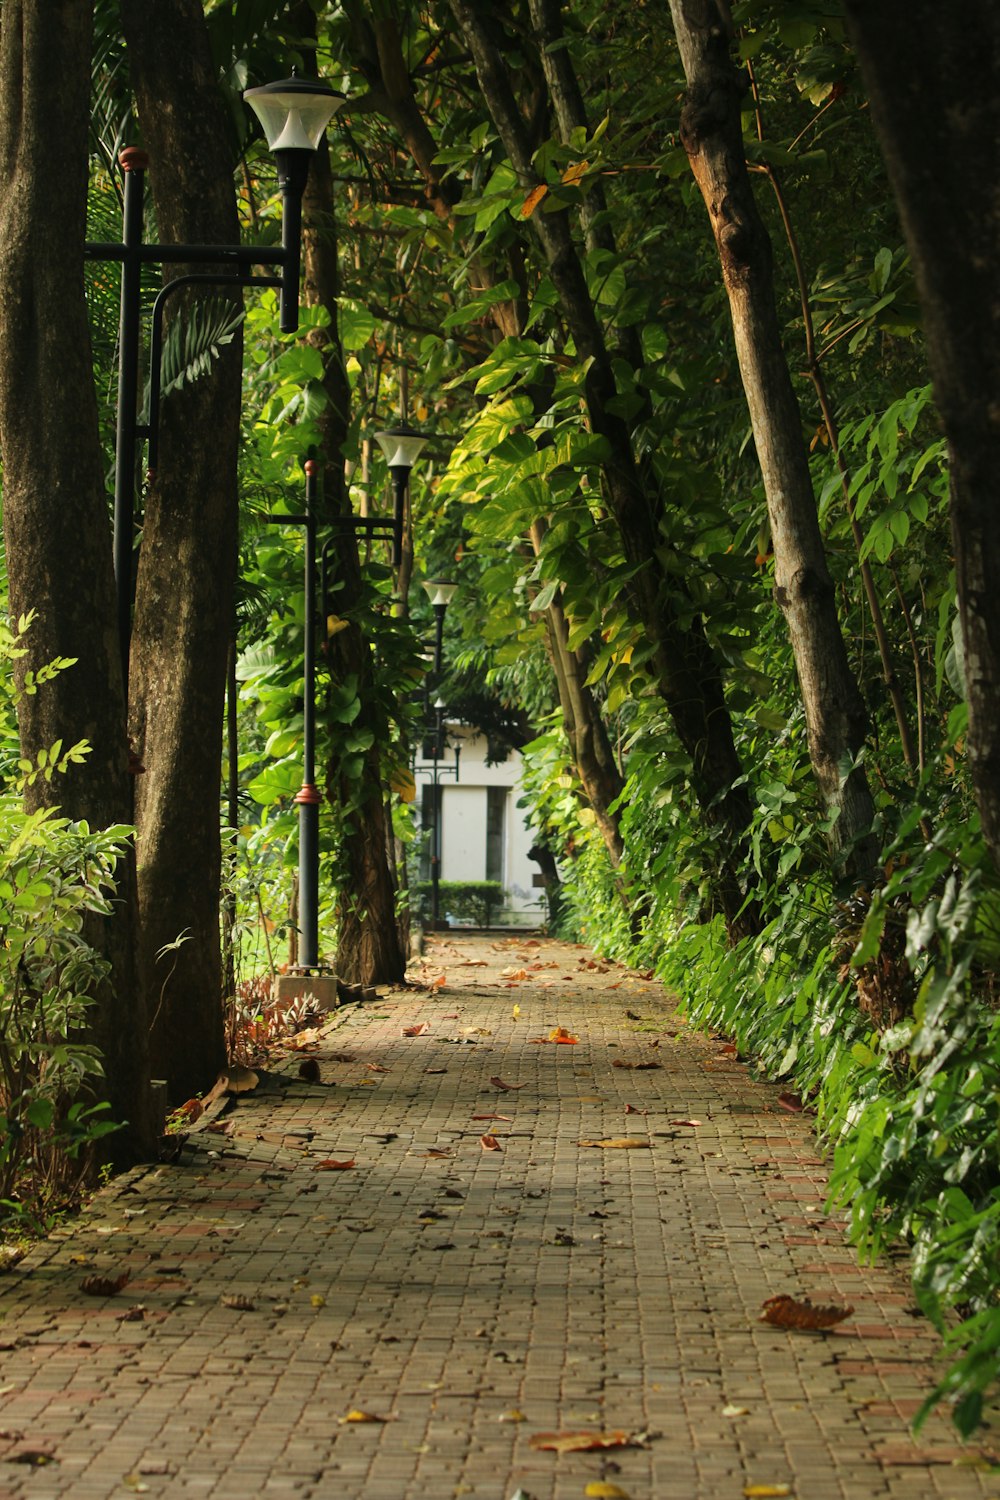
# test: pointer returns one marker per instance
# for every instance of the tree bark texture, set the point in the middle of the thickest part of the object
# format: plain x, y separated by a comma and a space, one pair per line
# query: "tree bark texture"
585, 730
688, 675
835, 713
187, 568
369, 950
931, 72
55, 509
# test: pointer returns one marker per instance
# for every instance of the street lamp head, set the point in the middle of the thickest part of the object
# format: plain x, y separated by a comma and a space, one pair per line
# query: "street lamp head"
294, 112
401, 445
440, 591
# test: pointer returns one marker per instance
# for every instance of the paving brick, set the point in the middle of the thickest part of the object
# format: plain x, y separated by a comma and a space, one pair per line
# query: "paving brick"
576, 1287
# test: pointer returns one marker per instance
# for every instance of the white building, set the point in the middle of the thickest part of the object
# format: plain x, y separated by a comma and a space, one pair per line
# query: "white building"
483, 832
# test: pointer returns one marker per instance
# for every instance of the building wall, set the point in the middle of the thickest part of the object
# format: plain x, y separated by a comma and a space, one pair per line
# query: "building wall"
464, 826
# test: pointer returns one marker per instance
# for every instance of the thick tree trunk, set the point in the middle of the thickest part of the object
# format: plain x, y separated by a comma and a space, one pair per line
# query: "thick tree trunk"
369, 949
835, 713
55, 512
184, 592
931, 73
688, 675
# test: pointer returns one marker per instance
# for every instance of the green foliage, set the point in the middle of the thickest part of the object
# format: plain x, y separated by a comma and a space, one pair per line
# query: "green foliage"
475, 901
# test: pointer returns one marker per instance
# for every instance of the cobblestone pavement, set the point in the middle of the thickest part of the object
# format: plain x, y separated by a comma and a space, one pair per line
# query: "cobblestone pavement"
472, 1298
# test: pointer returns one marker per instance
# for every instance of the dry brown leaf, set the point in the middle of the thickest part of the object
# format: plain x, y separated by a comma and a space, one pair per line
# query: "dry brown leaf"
438, 983
434, 1151
238, 1302
513, 973
374, 1067
417, 1030
302, 1041
533, 199
684, 1122
785, 1312
239, 1080
498, 1083
508, 1118
630, 1109
490, 1143
330, 1165
620, 1062
580, 1442
134, 1314
559, 1034
192, 1110
616, 1143
104, 1286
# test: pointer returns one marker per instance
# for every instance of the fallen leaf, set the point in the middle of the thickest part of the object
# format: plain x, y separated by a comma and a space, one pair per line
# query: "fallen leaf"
513, 973
435, 1152
620, 1062
239, 1080
317, 1300
303, 1040
630, 1109
104, 1286
601, 1489
438, 983
133, 1314
785, 1312
135, 1483
36, 1457
581, 1442
433, 1071
792, 1103
512, 1416
683, 1122
560, 1035
508, 1118
192, 1110
766, 1491
498, 1083
376, 1068
362, 1416
417, 1030
331, 1165
736, 1411
238, 1302
515, 1014
490, 1143
615, 1143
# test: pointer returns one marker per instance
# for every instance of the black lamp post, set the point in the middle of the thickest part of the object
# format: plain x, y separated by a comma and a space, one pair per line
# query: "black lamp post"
402, 447
308, 798
294, 114
440, 592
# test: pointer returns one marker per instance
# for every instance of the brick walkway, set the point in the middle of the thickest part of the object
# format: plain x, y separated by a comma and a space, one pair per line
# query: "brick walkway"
473, 1298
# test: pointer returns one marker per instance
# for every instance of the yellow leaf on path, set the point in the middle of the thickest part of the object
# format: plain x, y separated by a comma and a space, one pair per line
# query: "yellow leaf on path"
512, 1416
317, 1300
617, 1143
515, 1013
580, 1442
600, 1489
362, 1416
766, 1491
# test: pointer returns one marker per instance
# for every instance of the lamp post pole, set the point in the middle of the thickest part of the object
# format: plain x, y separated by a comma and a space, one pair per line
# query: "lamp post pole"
294, 113
440, 592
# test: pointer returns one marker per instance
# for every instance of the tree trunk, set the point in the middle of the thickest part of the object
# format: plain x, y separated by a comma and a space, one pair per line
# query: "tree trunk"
835, 713
369, 948
931, 74
187, 568
688, 676
55, 510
